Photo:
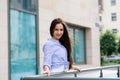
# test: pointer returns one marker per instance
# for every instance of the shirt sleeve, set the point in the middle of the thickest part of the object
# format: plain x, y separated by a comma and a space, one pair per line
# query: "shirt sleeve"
48, 53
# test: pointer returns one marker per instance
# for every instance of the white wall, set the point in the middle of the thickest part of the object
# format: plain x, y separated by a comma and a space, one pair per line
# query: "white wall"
106, 15
3, 40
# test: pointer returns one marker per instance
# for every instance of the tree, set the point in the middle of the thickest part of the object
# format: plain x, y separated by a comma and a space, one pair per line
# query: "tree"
108, 43
119, 45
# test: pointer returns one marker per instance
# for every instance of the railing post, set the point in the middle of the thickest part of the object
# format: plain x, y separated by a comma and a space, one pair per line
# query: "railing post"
118, 73
101, 73
75, 74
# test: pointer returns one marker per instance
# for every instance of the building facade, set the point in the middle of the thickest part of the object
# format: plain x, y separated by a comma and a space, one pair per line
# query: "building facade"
24, 26
110, 15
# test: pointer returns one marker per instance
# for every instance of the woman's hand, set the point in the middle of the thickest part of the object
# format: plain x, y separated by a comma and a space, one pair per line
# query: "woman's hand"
76, 68
46, 70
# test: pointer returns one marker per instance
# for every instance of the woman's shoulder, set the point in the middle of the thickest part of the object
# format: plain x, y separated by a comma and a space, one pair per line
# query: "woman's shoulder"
50, 45
49, 42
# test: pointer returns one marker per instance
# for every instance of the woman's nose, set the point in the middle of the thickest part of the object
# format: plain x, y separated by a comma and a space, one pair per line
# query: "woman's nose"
59, 32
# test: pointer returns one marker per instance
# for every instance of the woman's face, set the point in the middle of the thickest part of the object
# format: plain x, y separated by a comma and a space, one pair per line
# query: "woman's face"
58, 31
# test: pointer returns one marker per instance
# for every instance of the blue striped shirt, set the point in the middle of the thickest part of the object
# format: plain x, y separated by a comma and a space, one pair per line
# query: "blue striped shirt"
55, 54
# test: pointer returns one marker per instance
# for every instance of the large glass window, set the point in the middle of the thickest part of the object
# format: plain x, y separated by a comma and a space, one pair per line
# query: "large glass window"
78, 44
23, 38
22, 44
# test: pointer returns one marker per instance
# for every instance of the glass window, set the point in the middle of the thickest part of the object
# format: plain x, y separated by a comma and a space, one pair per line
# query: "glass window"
23, 35
114, 17
22, 44
114, 30
100, 18
78, 44
113, 2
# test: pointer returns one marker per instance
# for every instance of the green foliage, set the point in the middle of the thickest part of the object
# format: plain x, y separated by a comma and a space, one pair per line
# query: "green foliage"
110, 62
107, 43
118, 45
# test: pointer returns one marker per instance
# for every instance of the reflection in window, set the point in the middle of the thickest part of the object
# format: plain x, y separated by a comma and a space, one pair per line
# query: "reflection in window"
26, 5
22, 44
19, 1
79, 46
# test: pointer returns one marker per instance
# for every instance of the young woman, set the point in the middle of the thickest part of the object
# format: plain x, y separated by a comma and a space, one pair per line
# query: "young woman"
57, 49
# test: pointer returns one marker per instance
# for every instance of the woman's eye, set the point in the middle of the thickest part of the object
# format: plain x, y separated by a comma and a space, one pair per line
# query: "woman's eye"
56, 29
61, 29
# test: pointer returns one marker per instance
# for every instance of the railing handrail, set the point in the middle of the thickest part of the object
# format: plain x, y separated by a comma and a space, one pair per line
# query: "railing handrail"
75, 71
99, 68
67, 78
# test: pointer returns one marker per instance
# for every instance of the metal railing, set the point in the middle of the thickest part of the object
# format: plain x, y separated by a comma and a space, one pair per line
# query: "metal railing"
57, 76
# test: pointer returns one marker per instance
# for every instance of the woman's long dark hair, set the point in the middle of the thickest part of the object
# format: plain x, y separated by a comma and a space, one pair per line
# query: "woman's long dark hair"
64, 40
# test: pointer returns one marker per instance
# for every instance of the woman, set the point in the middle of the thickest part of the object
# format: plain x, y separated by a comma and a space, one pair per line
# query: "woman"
57, 49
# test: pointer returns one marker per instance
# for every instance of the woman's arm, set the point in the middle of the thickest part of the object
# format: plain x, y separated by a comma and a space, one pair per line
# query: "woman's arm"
48, 53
